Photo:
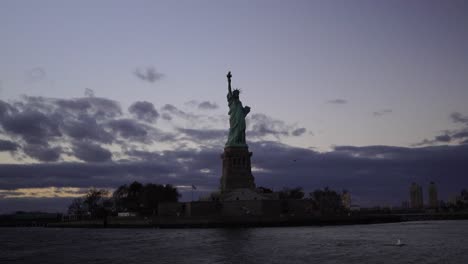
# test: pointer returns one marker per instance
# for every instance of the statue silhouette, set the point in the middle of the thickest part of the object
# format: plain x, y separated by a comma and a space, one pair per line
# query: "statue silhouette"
237, 114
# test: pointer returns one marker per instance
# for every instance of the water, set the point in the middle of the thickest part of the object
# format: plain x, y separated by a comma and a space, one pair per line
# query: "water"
426, 242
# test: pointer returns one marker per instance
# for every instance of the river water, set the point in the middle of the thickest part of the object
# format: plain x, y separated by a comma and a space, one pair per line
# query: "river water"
425, 242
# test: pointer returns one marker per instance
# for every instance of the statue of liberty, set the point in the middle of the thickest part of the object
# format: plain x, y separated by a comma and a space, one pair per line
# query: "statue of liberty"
237, 114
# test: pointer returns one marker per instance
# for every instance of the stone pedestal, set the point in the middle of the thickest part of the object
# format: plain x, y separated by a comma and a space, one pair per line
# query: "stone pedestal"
237, 172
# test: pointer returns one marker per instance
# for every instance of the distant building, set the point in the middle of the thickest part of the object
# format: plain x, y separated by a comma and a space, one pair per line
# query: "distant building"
346, 199
416, 196
404, 205
126, 214
433, 201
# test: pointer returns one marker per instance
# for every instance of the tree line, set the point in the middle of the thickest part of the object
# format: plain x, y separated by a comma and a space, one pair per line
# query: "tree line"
144, 199
324, 200
135, 197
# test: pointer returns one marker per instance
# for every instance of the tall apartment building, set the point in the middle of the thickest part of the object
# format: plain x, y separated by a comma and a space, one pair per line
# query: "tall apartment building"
416, 196
433, 201
346, 199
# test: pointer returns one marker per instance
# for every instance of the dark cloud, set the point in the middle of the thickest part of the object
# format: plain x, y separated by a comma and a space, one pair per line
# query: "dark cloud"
148, 74
166, 116
198, 135
171, 110
32, 126
129, 129
102, 107
459, 118
337, 101
36, 122
94, 106
298, 132
450, 136
74, 106
382, 112
376, 174
206, 105
170, 167
39, 122
5, 109
85, 127
460, 134
443, 138
7, 145
53, 205
133, 131
90, 152
261, 125
89, 92
144, 111
42, 152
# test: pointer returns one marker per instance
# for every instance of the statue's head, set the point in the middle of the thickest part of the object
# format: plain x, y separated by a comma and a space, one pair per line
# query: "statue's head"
236, 93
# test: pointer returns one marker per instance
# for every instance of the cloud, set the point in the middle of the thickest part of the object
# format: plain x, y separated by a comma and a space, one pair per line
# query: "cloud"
90, 152
43, 126
443, 138
148, 74
166, 116
35, 204
85, 127
454, 136
32, 126
46, 127
337, 101
43, 152
170, 111
459, 118
382, 112
261, 126
89, 92
198, 135
460, 134
129, 129
46, 192
298, 132
377, 174
206, 105
7, 145
144, 111
5, 109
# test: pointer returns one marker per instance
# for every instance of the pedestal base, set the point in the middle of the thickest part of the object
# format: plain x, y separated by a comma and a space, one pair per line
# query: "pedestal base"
237, 172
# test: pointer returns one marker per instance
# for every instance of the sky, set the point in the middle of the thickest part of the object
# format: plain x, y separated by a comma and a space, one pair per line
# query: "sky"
367, 96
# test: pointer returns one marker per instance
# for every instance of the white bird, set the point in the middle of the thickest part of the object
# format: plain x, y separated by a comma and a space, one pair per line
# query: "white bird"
398, 243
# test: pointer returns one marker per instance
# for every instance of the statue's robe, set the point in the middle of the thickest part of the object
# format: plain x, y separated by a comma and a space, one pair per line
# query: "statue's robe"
237, 114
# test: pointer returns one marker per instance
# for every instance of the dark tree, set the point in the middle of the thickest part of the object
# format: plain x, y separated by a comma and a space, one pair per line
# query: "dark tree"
120, 198
143, 199
135, 192
264, 190
77, 208
95, 201
153, 194
327, 201
295, 193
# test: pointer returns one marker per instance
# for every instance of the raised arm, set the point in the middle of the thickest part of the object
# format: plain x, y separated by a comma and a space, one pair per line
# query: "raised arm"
229, 75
